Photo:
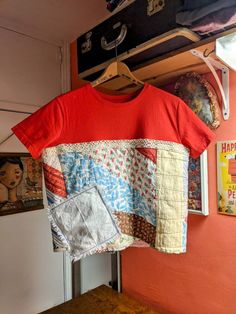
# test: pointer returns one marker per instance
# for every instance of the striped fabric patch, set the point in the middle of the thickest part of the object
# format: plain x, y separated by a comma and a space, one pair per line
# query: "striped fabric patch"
54, 181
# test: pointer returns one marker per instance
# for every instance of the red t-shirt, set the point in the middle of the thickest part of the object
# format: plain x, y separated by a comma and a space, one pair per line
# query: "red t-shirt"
85, 115
134, 147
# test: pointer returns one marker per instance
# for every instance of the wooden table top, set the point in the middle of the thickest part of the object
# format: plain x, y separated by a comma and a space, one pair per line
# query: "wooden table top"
102, 300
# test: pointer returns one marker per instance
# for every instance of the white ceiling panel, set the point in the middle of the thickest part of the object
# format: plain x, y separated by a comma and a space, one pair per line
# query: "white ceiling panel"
55, 21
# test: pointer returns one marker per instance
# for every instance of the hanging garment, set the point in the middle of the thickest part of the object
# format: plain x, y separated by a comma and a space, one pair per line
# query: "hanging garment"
187, 18
215, 21
134, 148
190, 5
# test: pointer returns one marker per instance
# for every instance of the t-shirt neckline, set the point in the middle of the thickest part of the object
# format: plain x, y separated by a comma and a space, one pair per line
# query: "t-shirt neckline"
118, 100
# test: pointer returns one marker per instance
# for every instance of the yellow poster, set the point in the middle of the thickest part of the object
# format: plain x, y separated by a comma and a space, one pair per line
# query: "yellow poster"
226, 177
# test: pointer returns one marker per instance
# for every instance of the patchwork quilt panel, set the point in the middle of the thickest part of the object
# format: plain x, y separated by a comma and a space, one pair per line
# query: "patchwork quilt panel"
143, 185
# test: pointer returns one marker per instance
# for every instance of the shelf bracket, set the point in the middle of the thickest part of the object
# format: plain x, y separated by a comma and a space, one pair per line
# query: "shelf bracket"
224, 86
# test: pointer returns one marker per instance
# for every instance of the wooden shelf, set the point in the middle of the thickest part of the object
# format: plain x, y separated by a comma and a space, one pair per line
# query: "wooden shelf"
161, 70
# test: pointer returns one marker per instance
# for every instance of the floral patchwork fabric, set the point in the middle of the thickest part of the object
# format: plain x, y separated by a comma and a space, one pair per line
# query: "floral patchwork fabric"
143, 182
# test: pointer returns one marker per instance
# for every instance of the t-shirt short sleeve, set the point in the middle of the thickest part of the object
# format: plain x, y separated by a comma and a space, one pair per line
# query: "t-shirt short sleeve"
194, 134
41, 129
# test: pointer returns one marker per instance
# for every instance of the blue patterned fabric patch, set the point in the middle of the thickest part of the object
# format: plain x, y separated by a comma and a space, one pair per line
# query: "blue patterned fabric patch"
81, 171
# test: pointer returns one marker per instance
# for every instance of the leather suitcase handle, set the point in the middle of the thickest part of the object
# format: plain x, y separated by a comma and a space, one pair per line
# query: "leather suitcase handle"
116, 42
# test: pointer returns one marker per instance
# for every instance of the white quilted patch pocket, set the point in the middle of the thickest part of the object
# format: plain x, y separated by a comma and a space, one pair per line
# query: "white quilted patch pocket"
85, 222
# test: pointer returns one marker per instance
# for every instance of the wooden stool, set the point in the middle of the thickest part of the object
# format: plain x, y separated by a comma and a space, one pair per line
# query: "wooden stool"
102, 300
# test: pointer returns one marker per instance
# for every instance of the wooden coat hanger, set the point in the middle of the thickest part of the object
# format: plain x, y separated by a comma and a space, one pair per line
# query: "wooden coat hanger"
117, 68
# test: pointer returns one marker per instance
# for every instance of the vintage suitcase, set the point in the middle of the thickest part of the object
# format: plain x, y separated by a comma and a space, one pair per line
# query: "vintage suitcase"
142, 30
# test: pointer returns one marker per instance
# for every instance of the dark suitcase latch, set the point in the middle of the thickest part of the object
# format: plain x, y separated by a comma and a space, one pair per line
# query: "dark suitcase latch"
155, 6
87, 45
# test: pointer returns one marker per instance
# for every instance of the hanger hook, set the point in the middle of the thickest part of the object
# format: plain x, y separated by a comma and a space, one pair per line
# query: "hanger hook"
116, 50
206, 53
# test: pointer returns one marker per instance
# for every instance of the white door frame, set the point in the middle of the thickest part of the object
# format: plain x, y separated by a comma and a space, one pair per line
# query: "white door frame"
65, 87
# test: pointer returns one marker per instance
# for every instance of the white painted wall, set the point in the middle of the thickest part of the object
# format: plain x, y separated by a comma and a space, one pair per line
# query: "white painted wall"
95, 270
31, 275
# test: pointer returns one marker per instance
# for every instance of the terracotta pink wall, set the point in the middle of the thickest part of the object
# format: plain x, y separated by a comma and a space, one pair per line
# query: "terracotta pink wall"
202, 281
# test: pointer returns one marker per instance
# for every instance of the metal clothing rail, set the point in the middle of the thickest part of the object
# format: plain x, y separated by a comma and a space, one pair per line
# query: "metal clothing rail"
6, 138
15, 111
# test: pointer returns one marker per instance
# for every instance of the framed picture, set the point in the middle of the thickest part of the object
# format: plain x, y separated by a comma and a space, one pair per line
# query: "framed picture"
226, 177
20, 183
198, 185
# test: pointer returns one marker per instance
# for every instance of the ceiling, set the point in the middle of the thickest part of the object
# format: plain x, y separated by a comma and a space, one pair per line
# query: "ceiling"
54, 21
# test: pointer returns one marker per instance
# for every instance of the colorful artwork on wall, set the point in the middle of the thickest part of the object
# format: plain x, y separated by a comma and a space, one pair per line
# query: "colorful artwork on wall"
20, 183
200, 96
198, 185
226, 177
194, 189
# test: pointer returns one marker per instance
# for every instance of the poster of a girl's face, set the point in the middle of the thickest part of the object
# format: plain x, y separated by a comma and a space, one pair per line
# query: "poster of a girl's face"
20, 183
